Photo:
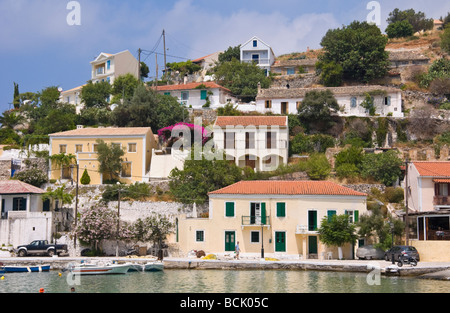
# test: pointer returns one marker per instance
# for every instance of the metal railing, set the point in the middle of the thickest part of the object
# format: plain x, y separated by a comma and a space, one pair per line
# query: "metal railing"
441, 200
255, 221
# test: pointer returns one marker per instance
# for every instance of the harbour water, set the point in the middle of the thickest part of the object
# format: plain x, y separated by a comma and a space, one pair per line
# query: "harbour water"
218, 281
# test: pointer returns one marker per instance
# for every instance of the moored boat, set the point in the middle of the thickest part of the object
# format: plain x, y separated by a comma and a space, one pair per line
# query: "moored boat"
25, 269
99, 269
147, 267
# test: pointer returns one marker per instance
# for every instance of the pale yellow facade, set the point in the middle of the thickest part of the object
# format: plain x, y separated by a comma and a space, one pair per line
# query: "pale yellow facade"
137, 144
291, 232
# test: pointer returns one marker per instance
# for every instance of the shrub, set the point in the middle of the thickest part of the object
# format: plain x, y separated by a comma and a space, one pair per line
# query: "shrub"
394, 195
85, 178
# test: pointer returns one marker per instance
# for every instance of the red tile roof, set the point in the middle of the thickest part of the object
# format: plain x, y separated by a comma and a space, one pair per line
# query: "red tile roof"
273, 187
18, 187
435, 169
190, 86
262, 120
108, 131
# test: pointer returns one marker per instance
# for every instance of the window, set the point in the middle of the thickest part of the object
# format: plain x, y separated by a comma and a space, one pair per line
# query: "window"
19, 204
249, 140
95, 147
108, 64
167, 93
255, 43
126, 169
353, 102
200, 236
312, 220
268, 104
353, 215
387, 100
78, 148
254, 236
229, 209
66, 172
281, 209
115, 144
203, 94
62, 148
271, 138
290, 71
229, 140
184, 95
330, 214
132, 147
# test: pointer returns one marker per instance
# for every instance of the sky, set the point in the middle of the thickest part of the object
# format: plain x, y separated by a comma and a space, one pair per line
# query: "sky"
47, 43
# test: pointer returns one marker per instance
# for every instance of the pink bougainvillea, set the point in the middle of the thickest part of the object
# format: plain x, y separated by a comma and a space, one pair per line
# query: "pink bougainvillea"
166, 132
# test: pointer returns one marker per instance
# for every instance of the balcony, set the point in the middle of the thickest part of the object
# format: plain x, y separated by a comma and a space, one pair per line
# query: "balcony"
441, 200
258, 61
100, 71
304, 229
255, 221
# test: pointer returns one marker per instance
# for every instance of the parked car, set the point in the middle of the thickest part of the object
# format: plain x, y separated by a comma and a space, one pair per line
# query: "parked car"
397, 251
369, 252
40, 247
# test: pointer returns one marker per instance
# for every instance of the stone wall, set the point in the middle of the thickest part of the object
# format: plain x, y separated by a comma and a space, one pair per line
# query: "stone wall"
295, 81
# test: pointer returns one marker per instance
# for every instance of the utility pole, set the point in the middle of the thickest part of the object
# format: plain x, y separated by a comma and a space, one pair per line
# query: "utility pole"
156, 77
139, 66
406, 203
76, 209
164, 42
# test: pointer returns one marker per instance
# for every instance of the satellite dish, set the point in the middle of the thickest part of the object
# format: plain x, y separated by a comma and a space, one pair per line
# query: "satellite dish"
60, 89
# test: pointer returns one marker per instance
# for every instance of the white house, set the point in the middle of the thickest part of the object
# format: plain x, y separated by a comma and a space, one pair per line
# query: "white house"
387, 100
260, 142
256, 50
198, 95
24, 216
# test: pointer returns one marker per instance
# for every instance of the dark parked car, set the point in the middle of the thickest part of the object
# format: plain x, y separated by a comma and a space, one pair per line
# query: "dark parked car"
369, 252
397, 251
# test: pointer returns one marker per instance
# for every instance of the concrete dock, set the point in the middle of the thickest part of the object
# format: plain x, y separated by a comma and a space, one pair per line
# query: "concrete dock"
426, 270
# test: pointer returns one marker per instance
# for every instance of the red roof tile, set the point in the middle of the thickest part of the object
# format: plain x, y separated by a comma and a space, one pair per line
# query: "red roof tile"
262, 120
435, 169
17, 187
273, 187
190, 86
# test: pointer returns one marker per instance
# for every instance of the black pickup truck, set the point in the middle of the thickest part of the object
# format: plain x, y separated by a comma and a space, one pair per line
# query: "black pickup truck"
37, 247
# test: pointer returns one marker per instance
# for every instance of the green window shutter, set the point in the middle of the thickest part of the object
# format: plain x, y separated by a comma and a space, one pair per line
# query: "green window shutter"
229, 209
167, 93
330, 214
203, 94
356, 216
263, 213
281, 209
312, 220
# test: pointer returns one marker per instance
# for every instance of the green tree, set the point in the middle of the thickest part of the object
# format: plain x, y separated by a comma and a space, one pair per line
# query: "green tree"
359, 49
11, 119
399, 29
318, 167
96, 95
184, 68
330, 73
200, 176
124, 87
383, 167
85, 178
317, 107
418, 21
16, 100
58, 119
337, 231
445, 39
155, 229
110, 159
241, 78
230, 54
59, 194
144, 70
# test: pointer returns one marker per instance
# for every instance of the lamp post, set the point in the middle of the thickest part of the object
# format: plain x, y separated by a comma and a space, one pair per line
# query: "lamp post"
262, 241
76, 207
118, 222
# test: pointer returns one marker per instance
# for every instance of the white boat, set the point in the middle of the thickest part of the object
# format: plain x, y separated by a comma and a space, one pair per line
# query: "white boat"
99, 269
147, 267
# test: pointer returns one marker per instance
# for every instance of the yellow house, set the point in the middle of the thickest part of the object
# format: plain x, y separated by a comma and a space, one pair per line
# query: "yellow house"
279, 218
137, 143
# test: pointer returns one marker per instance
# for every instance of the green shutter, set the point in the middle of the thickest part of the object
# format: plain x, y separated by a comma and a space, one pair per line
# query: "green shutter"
203, 94
356, 216
312, 220
331, 213
229, 209
281, 209
263, 213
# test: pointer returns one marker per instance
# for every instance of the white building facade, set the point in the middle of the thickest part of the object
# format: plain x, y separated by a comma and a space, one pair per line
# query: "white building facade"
256, 50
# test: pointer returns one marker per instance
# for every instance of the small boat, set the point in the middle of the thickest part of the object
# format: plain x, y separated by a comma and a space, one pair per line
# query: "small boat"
147, 267
25, 269
99, 269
